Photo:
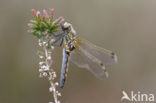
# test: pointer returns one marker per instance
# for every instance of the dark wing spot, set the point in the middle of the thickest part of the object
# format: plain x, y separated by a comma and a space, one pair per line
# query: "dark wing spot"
101, 64
113, 54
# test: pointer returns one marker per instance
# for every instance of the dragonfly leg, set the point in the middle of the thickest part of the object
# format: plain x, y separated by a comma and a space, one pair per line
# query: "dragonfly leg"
61, 42
59, 45
57, 38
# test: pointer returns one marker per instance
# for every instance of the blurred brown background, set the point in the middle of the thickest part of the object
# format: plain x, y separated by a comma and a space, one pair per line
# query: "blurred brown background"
127, 27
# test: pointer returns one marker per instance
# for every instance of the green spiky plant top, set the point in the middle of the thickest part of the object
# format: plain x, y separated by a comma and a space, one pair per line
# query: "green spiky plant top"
45, 25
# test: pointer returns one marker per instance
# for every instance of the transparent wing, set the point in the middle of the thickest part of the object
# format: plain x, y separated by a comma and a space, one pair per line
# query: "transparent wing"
92, 57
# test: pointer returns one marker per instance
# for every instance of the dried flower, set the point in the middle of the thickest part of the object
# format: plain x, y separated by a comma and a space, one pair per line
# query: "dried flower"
56, 83
45, 14
45, 74
38, 14
34, 12
43, 28
52, 12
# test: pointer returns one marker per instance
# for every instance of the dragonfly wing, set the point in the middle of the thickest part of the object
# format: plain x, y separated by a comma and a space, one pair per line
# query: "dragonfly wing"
82, 61
106, 56
93, 58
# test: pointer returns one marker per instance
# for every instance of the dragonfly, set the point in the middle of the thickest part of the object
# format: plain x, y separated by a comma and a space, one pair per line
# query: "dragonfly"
83, 53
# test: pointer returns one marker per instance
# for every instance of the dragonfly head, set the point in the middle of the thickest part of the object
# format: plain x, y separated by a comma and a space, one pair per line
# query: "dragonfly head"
68, 27
65, 26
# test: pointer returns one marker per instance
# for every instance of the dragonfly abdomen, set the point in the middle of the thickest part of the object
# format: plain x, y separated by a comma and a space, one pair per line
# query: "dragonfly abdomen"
64, 69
